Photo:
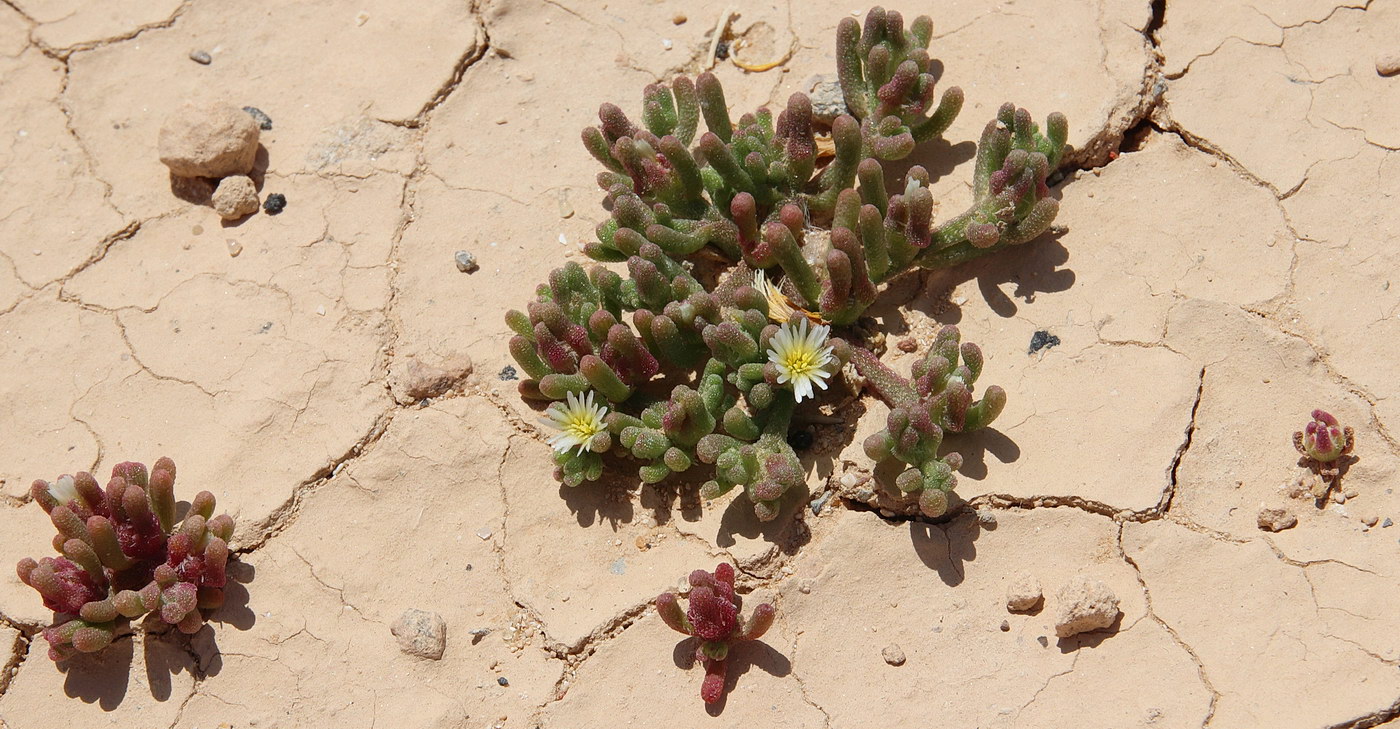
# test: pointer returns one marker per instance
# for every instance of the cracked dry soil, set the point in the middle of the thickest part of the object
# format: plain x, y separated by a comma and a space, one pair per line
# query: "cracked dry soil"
1226, 267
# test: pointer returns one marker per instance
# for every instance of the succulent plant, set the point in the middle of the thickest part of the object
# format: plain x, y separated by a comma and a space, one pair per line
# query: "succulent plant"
736, 236
1323, 442
887, 81
123, 555
713, 617
937, 401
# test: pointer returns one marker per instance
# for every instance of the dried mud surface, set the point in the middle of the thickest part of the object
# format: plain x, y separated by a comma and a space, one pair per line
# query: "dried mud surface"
1225, 266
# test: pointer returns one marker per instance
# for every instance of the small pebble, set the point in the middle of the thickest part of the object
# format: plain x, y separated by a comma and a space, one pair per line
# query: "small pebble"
264, 121
234, 248
484, 533
1042, 340
566, 208
679, 19
893, 655
722, 50
987, 519
1388, 64
907, 344
275, 203
1386, 523
805, 587
361, 18
466, 262
667, 43
1370, 520
201, 57
321, 310
507, 374
1005, 626
502, 681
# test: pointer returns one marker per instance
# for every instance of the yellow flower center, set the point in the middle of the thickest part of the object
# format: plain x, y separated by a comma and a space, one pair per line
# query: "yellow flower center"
583, 426
800, 362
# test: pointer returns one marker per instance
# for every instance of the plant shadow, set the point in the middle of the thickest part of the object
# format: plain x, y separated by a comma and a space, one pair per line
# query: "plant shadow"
101, 678
607, 499
743, 656
947, 547
1039, 267
974, 447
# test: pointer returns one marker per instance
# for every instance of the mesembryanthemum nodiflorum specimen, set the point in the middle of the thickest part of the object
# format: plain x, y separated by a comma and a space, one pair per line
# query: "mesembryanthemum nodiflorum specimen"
122, 555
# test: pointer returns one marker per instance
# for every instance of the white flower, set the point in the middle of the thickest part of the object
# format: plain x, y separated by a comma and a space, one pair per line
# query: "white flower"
63, 490
802, 356
579, 420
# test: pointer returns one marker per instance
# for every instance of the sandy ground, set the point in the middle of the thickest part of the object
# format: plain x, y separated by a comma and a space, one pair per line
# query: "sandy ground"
1226, 268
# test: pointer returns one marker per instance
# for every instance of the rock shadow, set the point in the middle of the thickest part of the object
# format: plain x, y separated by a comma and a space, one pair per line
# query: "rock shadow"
1092, 638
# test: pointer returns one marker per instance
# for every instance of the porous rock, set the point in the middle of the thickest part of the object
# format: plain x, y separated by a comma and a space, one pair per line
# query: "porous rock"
1024, 593
1276, 520
209, 140
421, 633
1084, 604
235, 197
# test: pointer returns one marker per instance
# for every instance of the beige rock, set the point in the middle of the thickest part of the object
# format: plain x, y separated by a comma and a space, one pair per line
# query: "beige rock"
412, 379
1083, 605
209, 140
893, 654
235, 197
1388, 64
1024, 593
421, 633
1276, 520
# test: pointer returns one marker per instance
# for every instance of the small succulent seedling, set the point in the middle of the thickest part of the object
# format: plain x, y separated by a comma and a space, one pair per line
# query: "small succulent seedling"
123, 555
1323, 442
744, 245
938, 400
713, 617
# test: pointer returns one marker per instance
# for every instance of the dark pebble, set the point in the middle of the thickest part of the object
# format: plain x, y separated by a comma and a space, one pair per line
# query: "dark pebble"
722, 50
507, 374
800, 440
502, 681
264, 121
1387, 522
201, 57
275, 203
1005, 626
1042, 340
